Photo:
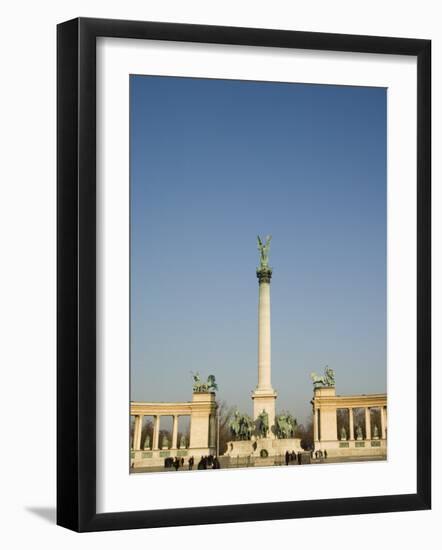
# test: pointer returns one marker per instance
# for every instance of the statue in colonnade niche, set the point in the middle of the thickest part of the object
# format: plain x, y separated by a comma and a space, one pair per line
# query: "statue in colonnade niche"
165, 442
343, 434
375, 432
147, 442
359, 434
182, 442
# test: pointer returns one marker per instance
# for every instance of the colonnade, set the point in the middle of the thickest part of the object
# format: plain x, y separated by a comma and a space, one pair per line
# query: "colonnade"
138, 427
318, 436
326, 405
202, 411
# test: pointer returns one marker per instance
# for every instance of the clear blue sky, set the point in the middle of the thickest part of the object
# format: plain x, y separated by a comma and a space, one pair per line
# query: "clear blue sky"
214, 163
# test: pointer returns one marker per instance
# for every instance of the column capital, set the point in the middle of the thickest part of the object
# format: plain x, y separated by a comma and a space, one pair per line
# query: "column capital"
264, 274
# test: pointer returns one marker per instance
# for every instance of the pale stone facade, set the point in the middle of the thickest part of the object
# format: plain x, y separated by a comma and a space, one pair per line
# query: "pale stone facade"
202, 411
274, 447
326, 404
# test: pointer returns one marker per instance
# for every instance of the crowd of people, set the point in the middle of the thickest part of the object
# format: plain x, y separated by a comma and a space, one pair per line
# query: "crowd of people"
292, 458
320, 454
209, 462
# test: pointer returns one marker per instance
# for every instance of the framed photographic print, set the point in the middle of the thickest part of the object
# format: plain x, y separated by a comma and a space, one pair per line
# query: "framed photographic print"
243, 274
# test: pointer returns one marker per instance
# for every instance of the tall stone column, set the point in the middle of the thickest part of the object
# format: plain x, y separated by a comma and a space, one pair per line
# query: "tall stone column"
264, 395
156, 433
175, 432
137, 432
264, 336
383, 423
315, 425
367, 423
351, 423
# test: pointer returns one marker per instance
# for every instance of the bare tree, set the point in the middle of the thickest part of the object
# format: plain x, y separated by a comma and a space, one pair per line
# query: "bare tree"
224, 412
305, 433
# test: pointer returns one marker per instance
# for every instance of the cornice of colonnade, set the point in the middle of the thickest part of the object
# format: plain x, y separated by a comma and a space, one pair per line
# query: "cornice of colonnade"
351, 401
171, 409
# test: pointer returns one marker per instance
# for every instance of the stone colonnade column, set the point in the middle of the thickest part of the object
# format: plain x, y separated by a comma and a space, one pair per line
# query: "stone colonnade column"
264, 344
352, 427
156, 433
367, 423
383, 423
175, 432
137, 432
315, 425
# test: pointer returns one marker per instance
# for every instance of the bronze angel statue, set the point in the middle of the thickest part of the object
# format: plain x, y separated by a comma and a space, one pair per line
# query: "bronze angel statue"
264, 249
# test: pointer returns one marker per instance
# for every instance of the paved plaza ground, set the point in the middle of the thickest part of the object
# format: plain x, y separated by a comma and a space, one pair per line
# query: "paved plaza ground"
245, 465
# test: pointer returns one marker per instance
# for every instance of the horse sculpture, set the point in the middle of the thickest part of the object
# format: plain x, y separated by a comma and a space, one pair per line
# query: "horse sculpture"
241, 426
285, 426
204, 387
328, 380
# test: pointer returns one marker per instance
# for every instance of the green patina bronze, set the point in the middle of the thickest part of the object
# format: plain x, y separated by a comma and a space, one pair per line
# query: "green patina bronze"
204, 387
344, 444
264, 271
285, 426
241, 426
376, 443
264, 249
262, 424
327, 381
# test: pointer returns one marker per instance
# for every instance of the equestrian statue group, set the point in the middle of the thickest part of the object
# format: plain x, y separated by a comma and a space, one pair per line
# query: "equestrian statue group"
204, 387
242, 427
326, 381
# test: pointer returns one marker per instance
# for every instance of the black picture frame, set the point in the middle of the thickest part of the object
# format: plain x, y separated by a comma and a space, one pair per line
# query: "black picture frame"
76, 274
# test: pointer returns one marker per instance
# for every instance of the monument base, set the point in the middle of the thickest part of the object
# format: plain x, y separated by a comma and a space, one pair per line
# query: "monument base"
263, 448
156, 458
353, 448
264, 400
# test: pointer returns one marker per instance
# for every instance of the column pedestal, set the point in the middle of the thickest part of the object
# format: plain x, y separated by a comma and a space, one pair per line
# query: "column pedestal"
264, 400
